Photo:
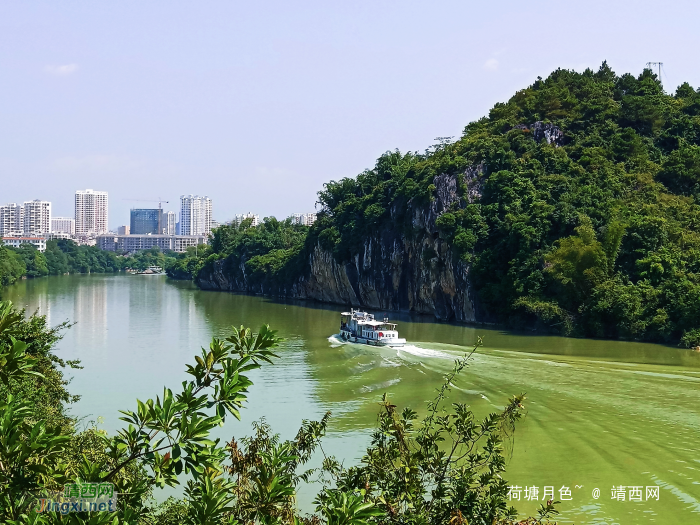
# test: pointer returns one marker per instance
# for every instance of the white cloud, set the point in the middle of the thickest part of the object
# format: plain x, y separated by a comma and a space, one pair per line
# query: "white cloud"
66, 69
491, 64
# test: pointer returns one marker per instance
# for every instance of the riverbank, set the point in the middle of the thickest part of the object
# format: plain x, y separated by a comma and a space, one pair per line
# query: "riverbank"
65, 257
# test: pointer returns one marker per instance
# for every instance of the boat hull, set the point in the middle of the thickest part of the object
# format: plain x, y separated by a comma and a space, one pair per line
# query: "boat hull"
392, 343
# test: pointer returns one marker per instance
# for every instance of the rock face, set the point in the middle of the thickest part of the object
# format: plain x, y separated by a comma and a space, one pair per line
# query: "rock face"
541, 131
415, 272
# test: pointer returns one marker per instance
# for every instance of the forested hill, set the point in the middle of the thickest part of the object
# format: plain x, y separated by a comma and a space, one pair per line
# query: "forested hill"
575, 211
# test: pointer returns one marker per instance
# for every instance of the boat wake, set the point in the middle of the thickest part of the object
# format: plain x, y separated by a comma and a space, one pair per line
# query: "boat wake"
404, 350
335, 340
423, 352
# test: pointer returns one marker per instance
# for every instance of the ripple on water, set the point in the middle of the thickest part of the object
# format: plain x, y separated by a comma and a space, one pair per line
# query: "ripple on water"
378, 386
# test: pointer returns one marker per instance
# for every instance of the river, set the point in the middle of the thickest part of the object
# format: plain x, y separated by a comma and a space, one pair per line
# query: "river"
599, 414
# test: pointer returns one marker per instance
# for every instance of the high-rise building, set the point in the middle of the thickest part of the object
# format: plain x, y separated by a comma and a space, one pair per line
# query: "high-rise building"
37, 217
146, 220
91, 211
123, 230
63, 225
170, 222
195, 215
11, 219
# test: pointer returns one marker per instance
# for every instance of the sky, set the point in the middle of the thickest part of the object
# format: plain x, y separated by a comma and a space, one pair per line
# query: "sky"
258, 104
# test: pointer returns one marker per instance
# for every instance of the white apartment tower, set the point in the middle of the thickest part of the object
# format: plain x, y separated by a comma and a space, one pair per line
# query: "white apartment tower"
37, 217
63, 225
11, 219
91, 210
169, 221
195, 215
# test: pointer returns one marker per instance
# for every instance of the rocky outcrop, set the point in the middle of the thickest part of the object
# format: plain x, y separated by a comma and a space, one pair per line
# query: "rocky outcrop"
474, 179
544, 131
414, 272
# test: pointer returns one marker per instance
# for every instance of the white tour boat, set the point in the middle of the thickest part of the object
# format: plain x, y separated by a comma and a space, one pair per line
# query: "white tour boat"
361, 327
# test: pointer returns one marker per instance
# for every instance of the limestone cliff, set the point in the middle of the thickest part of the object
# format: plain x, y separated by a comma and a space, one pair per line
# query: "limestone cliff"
414, 272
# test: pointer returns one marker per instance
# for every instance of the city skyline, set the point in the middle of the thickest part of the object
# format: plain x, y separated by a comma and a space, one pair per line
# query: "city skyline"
12, 217
67, 209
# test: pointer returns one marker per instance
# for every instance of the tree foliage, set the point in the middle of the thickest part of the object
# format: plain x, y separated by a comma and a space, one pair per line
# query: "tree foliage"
271, 253
12, 266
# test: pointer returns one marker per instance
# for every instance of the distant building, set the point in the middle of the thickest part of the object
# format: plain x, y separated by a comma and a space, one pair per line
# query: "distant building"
136, 243
307, 219
169, 222
144, 221
123, 230
58, 236
182, 242
16, 242
85, 240
240, 217
36, 218
195, 215
63, 225
91, 213
11, 219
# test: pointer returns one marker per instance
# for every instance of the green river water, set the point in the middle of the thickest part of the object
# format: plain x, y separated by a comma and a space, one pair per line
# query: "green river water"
599, 413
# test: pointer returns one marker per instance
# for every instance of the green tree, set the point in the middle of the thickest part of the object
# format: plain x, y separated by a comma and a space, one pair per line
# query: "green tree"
12, 266
34, 260
578, 263
680, 171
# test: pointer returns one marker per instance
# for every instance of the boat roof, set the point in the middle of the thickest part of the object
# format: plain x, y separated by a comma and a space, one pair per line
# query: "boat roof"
364, 318
375, 323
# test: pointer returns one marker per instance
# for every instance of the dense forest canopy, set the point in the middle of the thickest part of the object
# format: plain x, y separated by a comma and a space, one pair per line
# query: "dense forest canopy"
583, 211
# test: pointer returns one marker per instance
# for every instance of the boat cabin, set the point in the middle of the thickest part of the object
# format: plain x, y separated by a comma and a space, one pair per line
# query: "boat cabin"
363, 326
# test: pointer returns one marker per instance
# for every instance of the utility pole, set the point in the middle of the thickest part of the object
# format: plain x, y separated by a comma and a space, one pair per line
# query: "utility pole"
650, 65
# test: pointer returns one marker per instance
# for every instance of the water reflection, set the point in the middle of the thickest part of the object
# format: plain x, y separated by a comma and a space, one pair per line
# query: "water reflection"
90, 311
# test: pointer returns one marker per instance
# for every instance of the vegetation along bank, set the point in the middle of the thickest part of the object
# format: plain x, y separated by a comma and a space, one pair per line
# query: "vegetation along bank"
64, 256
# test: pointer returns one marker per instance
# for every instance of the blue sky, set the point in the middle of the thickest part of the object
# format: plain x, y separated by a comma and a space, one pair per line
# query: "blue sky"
257, 104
